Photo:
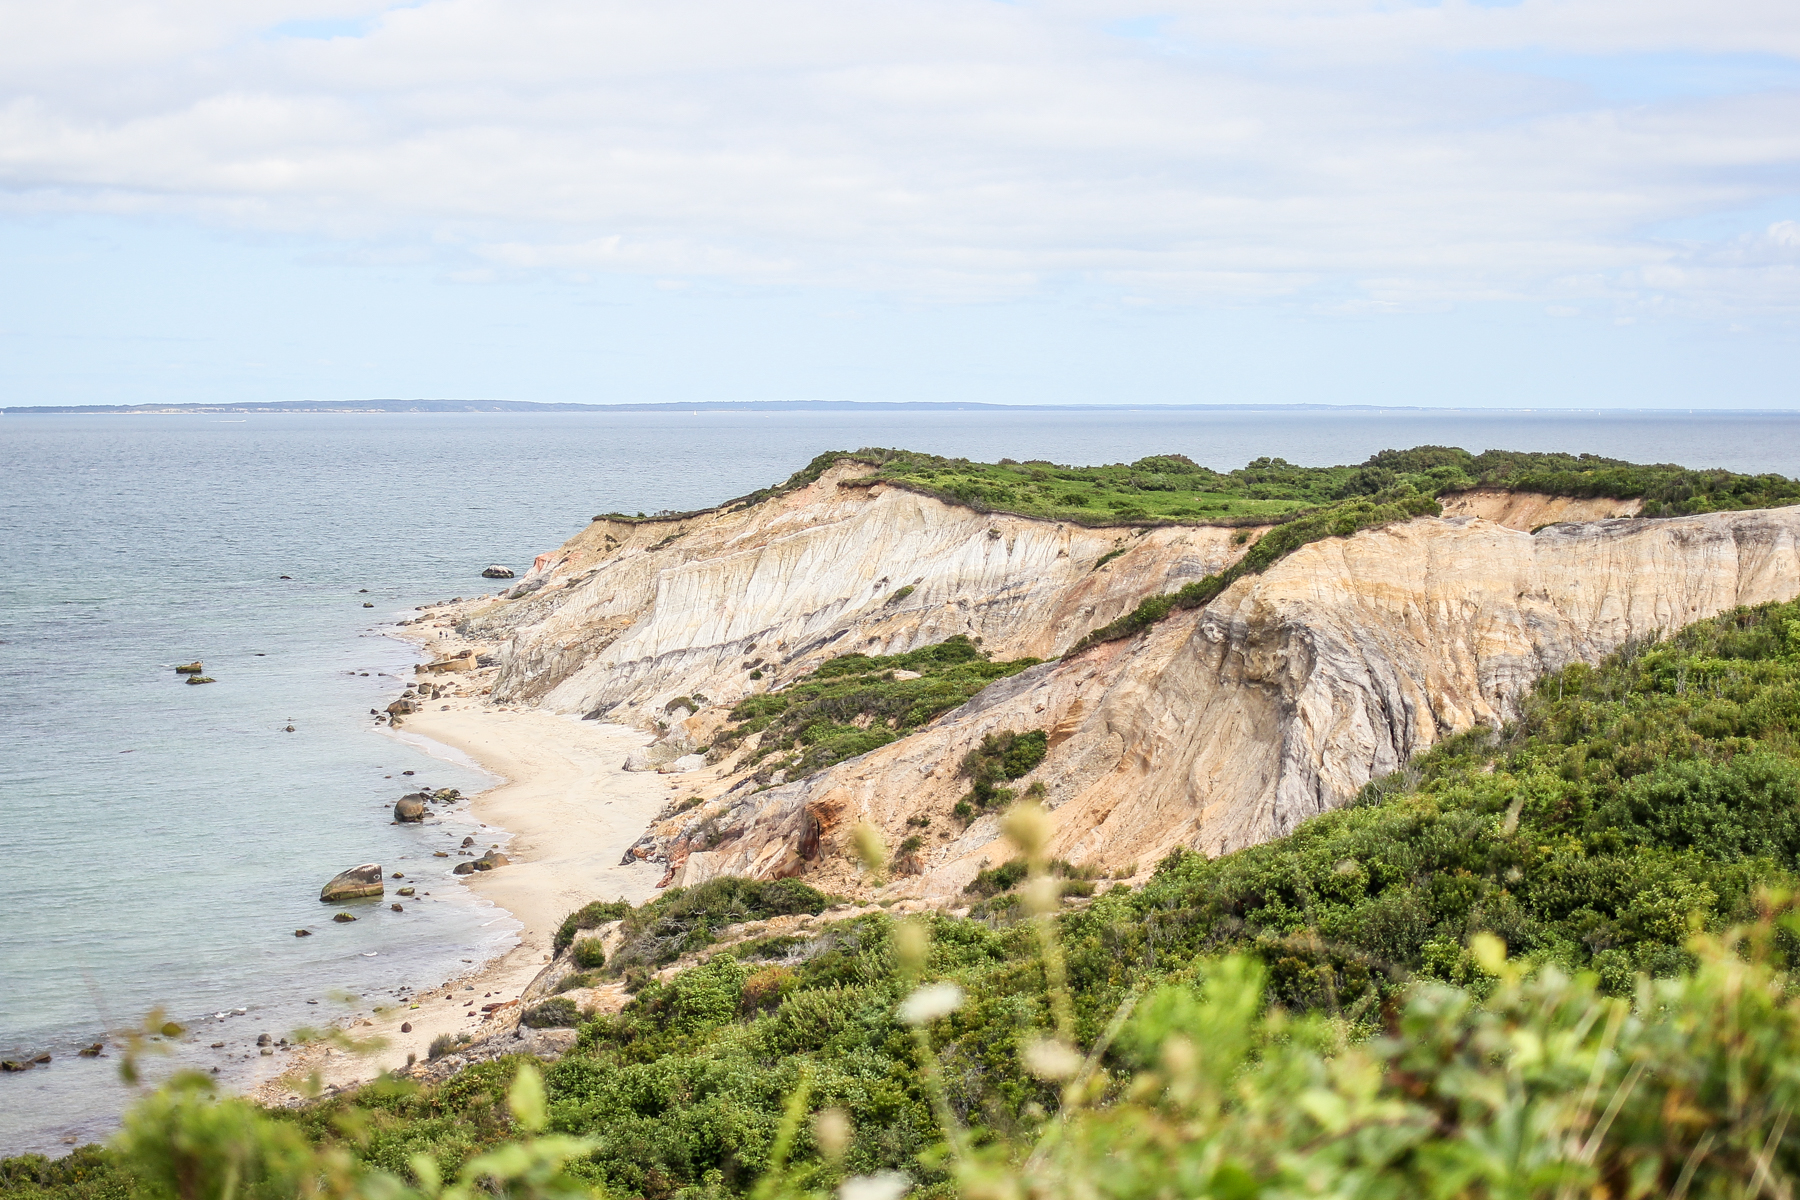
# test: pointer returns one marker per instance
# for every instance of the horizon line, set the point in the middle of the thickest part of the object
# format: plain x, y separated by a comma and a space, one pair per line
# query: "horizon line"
440, 406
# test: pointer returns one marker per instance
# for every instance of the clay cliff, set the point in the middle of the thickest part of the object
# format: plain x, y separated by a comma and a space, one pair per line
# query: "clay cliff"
1218, 728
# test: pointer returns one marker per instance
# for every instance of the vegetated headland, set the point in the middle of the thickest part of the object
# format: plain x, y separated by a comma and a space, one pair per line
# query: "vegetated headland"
1423, 826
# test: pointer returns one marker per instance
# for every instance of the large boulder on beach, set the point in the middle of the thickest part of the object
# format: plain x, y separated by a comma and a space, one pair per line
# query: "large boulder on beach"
403, 706
354, 884
490, 860
687, 762
411, 807
497, 572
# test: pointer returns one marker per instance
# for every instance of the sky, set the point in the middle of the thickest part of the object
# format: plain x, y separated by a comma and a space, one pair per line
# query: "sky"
1547, 203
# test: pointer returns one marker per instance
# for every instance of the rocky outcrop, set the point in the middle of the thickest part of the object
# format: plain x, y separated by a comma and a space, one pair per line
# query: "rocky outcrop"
659, 754
497, 572
464, 662
1530, 511
354, 884
1226, 726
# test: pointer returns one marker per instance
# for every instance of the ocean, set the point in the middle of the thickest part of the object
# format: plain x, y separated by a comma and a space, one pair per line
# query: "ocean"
164, 841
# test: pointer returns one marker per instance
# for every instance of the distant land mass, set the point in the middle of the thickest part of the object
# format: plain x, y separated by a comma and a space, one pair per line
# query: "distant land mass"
509, 406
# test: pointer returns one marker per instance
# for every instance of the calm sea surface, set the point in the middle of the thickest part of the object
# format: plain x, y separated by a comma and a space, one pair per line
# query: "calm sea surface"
162, 842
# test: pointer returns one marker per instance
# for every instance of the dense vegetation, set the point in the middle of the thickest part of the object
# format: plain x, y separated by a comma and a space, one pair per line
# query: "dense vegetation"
853, 703
1171, 487
1226, 1009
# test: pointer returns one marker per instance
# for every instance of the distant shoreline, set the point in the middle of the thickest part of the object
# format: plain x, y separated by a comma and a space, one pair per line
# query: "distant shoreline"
366, 407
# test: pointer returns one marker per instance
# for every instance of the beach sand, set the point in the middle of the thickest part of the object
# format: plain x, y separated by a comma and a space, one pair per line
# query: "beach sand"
571, 811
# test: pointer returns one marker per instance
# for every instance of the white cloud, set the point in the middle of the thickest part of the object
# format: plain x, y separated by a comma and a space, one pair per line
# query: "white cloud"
1334, 153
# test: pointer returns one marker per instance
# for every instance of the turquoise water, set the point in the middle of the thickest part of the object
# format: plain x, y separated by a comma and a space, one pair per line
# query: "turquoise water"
164, 841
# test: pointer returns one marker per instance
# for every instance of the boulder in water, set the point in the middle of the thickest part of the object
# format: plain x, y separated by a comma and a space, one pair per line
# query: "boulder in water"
467, 868
497, 572
201, 679
193, 668
354, 884
410, 807
490, 860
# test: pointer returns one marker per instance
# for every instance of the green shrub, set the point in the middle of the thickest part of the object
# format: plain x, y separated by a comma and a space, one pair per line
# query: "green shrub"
556, 1012
682, 920
576, 979
1001, 755
589, 916
444, 1043
588, 953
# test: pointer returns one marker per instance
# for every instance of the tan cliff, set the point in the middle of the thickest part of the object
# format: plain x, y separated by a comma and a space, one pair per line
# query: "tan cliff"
627, 617
1216, 729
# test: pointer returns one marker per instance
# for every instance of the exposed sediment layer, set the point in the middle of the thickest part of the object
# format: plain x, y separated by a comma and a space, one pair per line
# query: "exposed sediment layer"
626, 617
1227, 726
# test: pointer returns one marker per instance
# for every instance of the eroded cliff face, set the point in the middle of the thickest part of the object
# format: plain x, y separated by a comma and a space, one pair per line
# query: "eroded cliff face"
625, 618
1215, 729
1226, 726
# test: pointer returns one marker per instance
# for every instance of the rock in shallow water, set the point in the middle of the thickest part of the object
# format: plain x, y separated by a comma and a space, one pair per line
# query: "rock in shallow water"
354, 884
497, 572
411, 807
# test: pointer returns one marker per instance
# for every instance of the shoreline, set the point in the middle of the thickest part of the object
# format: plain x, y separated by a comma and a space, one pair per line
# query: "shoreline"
564, 812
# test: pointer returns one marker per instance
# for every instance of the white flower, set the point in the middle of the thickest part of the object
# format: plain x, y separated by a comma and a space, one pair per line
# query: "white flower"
1052, 1059
883, 1185
928, 1003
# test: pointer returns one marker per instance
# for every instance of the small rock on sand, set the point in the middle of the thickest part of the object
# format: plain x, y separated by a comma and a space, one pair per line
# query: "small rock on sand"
406, 1027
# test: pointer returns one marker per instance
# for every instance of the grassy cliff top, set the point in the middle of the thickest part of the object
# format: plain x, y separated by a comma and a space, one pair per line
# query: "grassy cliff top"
1174, 488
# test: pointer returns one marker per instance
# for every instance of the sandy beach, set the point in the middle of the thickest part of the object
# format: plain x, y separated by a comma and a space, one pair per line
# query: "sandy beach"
565, 816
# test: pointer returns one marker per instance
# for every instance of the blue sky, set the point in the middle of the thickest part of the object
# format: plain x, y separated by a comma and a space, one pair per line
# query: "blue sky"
1549, 203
